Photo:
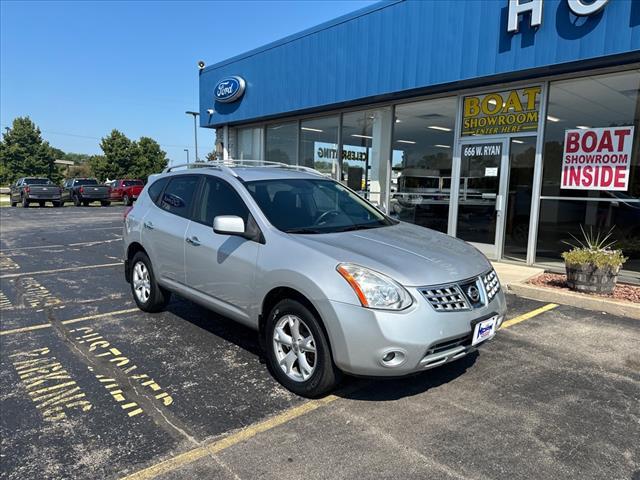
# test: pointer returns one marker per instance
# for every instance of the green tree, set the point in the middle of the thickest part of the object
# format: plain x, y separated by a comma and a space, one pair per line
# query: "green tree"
23, 152
150, 158
119, 156
124, 158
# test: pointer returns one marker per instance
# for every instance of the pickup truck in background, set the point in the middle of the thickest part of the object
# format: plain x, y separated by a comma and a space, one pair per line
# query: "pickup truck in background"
83, 191
126, 190
35, 190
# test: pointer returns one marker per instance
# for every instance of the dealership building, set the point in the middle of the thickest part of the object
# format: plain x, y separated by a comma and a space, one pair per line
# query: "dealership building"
508, 124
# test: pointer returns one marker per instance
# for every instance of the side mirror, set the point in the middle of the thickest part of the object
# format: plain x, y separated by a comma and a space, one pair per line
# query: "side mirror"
228, 225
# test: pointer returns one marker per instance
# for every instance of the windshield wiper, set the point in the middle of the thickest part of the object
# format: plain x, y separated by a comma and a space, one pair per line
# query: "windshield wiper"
359, 226
302, 230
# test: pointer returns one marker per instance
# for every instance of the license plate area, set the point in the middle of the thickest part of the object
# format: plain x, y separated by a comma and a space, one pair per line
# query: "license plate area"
483, 330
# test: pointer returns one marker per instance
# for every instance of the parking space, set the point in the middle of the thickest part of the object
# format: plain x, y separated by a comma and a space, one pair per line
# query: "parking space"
90, 387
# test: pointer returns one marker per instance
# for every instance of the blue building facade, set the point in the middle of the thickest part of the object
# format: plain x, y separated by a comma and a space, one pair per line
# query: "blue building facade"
454, 115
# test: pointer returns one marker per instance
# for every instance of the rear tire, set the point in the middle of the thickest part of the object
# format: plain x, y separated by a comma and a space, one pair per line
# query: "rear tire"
105, 204
41, 204
25, 202
85, 203
58, 204
13, 204
148, 295
317, 374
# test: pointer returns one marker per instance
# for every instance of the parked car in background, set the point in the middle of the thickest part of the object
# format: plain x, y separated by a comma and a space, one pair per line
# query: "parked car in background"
331, 283
126, 190
83, 191
38, 190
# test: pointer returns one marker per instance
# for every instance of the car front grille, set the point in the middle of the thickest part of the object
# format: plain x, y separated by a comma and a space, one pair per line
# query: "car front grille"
446, 299
465, 295
464, 340
491, 284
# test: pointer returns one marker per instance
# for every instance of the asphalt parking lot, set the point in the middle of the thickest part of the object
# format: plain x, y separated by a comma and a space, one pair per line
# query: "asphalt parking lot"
90, 387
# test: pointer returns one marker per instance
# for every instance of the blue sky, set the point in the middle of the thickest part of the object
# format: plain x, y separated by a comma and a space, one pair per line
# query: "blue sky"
80, 69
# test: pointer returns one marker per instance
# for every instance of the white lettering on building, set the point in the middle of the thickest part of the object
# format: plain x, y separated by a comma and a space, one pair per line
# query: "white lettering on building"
534, 7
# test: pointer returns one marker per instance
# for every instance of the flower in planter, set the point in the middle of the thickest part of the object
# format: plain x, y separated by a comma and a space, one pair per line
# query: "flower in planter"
593, 265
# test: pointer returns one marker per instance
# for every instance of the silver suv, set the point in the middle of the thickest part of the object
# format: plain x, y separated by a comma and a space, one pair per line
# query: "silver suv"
330, 283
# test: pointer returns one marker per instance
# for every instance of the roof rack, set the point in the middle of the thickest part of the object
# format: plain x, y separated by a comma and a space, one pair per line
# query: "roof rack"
228, 164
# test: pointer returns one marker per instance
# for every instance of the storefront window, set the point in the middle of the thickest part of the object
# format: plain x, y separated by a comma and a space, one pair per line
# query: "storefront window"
585, 104
319, 144
282, 143
250, 143
423, 137
366, 145
522, 154
599, 164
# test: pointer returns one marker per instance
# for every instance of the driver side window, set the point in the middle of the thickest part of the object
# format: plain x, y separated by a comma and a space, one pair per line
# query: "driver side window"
219, 198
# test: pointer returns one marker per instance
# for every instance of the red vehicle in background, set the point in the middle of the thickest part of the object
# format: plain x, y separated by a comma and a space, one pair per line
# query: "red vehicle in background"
126, 190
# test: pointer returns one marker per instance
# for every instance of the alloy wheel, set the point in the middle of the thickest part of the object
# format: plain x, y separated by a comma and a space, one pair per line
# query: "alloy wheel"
294, 348
141, 282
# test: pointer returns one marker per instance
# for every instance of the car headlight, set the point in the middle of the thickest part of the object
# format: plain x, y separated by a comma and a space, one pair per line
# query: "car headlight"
373, 289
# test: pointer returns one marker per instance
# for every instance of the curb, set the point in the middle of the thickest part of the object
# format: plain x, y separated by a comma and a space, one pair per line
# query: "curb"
625, 309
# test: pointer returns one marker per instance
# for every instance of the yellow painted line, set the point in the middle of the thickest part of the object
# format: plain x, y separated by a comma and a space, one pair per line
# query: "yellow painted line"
212, 448
66, 322
528, 315
69, 269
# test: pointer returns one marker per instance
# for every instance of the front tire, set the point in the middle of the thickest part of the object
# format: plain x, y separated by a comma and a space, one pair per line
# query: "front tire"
148, 295
298, 351
57, 204
41, 204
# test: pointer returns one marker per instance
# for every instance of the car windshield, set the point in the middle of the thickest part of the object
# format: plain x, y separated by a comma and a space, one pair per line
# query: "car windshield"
37, 181
87, 181
314, 206
129, 183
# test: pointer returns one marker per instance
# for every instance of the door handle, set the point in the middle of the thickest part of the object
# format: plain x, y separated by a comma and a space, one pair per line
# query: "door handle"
499, 203
148, 225
193, 241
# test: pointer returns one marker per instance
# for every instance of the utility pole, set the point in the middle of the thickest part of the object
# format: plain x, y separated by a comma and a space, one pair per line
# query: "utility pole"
195, 129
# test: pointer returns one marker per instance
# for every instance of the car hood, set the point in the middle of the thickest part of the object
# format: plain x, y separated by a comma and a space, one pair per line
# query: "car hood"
411, 255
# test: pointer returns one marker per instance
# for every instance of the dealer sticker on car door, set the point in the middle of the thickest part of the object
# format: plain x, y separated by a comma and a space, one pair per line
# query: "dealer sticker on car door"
484, 330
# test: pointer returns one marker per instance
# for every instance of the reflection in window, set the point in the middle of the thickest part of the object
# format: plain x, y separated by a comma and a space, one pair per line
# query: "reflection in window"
282, 143
365, 153
319, 144
522, 153
250, 143
559, 219
421, 164
610, 100
597, 101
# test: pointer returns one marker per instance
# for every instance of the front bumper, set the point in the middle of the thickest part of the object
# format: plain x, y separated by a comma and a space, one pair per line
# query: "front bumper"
421, 337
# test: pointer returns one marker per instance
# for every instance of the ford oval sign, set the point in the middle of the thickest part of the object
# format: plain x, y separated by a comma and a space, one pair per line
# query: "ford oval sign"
229, 89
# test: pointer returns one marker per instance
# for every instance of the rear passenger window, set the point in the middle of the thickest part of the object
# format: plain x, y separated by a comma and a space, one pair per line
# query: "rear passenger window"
177, 198
155, 189
220, 198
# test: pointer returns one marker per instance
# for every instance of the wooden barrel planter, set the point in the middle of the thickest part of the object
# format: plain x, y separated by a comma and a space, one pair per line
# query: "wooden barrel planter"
590, 279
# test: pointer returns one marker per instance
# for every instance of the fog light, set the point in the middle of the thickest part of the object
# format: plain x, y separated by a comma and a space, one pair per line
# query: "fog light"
393, 358
499, 322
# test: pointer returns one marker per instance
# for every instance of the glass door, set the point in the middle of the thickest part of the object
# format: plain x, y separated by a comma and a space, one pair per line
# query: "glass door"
481, 196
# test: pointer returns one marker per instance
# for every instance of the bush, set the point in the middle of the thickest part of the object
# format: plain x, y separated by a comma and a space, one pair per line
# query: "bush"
598, 258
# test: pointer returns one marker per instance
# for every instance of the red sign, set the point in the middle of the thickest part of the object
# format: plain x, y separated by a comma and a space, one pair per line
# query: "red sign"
597, 158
